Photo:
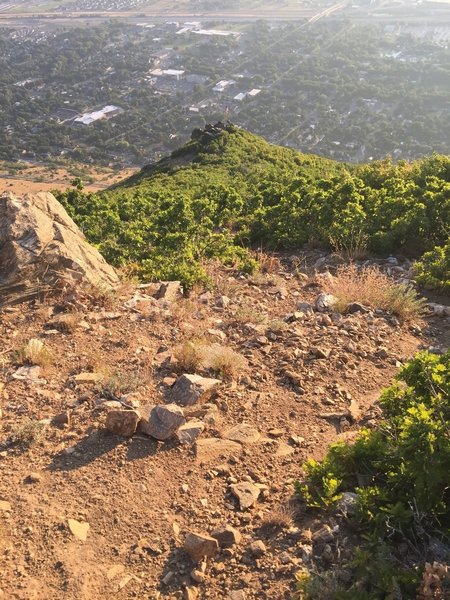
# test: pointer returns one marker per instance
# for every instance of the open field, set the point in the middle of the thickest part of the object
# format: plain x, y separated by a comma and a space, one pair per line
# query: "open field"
42, 178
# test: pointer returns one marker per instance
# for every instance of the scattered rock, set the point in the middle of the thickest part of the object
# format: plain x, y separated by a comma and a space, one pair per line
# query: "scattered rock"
122, 422
87, 378
258, 548
242, 433
325, 302
200, 546
162, 421
190, 593
192, 389
355, 307
79, 529
29, 373
190, 431
169, 290
320, 352
348, 503
33, 478
247, 493
227, 536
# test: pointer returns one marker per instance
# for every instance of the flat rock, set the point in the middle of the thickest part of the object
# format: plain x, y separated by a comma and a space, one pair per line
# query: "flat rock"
199, 546
242, 433
78, 529
28, 373
122, 422
191, 389
161, 422
87, 378
5, 506
213, 448
284, 450
247, 493
190, 431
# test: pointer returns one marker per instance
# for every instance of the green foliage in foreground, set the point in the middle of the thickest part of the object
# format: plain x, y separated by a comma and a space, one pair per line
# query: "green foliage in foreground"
400, 473
433, 271
216, 198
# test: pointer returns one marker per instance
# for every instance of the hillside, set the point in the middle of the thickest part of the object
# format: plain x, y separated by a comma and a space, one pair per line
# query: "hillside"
228, 191
209, 421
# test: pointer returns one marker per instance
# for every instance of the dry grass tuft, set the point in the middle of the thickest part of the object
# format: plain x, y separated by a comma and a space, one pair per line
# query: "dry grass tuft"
34, 352
248, 314
225, 361
372, 288
190, 356
280, 517
28, 433
267, 262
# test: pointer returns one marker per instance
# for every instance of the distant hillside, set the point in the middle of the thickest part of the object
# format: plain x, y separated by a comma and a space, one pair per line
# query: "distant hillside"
229, 190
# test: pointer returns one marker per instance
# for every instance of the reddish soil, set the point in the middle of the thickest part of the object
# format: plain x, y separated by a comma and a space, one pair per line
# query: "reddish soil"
140, 496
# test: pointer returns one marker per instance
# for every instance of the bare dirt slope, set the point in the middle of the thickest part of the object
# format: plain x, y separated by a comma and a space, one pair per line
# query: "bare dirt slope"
309, 378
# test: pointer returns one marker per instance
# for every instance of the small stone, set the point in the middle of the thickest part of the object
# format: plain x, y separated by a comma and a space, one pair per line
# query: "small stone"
79, 529
258, 548
190, 593
122, 422
198, 576
5, 506
355, 307
227, 536
33, 478
162, 421
320, 352
247, 493
325, 302
324, 535
61, 419
199, 546
237, 595
192, 389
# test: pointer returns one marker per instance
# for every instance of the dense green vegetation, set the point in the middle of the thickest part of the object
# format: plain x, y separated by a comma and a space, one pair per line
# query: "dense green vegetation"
216, 197
400, 473
433, 271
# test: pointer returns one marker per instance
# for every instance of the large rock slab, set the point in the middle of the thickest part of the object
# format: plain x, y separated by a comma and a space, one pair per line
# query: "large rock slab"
40, 244
191, 389
161, 422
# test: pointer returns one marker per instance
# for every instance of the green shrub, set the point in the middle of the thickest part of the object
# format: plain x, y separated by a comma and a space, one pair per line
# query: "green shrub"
400, 470
433, 270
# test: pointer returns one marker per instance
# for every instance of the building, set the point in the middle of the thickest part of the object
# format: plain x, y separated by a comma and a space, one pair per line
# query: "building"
221, 85
107, 112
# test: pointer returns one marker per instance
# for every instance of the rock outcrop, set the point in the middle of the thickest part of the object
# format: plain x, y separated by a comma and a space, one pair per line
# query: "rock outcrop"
40, 244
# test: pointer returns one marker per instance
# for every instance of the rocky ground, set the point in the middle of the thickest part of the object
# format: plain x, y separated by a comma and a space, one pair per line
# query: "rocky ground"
86, 513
